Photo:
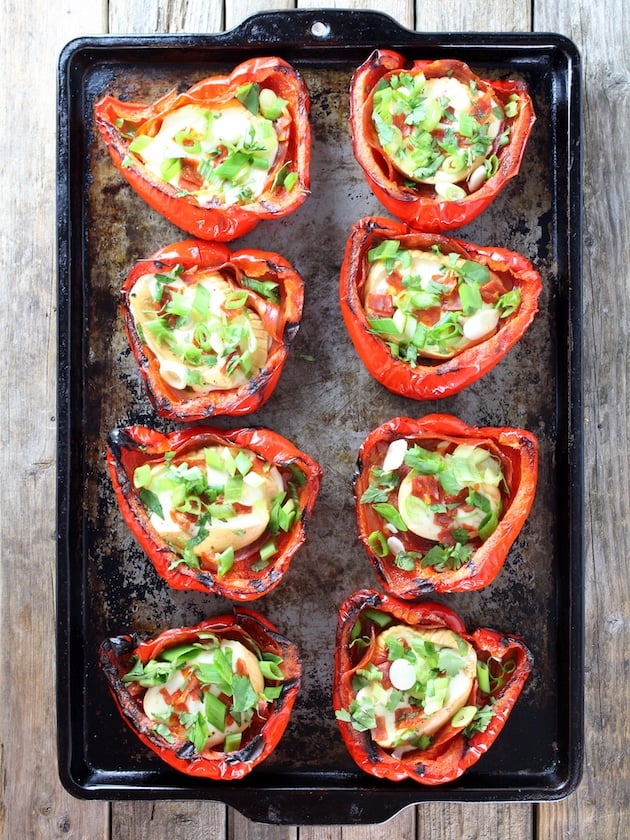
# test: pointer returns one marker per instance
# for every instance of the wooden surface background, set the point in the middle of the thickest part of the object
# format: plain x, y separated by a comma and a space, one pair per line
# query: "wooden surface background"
33, 804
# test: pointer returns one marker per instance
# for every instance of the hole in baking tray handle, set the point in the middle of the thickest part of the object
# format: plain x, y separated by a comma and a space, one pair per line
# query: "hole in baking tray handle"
320, 29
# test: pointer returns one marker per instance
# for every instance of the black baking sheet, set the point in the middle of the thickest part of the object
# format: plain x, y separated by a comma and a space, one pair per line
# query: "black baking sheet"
326, 403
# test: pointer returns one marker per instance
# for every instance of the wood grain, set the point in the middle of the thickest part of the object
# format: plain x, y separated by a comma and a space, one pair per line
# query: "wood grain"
33, 804
601, 806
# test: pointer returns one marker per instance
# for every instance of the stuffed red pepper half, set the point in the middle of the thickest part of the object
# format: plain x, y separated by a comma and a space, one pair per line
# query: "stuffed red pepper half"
415, 695
216, 511
439, 503
211, 328
429, 315
436, 143
218, 158
211, 700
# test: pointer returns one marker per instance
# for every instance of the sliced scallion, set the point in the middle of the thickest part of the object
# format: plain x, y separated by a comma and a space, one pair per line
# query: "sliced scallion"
225, 561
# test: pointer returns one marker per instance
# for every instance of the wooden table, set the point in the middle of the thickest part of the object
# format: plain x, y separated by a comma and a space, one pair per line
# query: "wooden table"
33, 803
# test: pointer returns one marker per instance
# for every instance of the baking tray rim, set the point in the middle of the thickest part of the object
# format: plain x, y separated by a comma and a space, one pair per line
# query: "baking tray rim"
385, 800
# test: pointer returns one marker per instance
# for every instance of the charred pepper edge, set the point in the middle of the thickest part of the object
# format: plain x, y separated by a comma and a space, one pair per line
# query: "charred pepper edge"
216, 223
184, 758
460, 752
519, 448
145, 441
238, 401
441, 379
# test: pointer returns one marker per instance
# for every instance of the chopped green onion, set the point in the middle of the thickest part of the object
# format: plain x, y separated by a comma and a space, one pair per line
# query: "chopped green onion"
151, 501
235, 300
215, 711
170, 169
248, 95
268, 550
380, 618
483, 677
233, 741
271, 106
139, 143
378, 544
142, 476
270, 670
391, 515
225, 561
463, 717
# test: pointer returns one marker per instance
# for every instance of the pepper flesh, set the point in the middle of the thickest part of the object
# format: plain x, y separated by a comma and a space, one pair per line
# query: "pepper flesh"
119, 122
134, 446
418, 204
116, 656
451, 751
431, 378
280, 320
517, 452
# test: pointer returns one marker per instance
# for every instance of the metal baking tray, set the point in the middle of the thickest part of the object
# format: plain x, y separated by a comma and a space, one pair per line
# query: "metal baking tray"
325, 403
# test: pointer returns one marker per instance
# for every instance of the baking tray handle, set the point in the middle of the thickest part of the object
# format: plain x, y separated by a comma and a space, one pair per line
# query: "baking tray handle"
318, 27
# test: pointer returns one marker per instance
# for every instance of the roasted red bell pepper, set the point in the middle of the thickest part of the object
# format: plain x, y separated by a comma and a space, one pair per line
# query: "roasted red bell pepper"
439, 503
211, 700
223, 155
215, 511
436, 143
211, 328
428, 314
415, 695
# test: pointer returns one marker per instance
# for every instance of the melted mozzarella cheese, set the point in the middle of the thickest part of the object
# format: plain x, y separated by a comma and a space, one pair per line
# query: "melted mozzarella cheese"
235, 530
214, 130
423, 521
429, 268
174, 371
244, 528
461, 101
416, 513
425, 265
156, 702
392, 729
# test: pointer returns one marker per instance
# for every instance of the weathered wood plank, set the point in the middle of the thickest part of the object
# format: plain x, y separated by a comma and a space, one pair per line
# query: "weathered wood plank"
32, 801
476, 822
400, 10
237, 12
240, 828
172, 16
476, 16
172, 820
601, 806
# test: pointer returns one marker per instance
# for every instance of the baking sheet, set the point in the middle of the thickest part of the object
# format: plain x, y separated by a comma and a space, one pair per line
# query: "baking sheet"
326, 403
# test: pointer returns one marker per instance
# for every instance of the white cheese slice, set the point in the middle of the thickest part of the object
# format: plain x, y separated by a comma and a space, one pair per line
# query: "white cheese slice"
416, 513
461, 101
154, 701
243, 529
259, 488
244, 662
173, 370
422, 521
392, 727
481, 324
214, 130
